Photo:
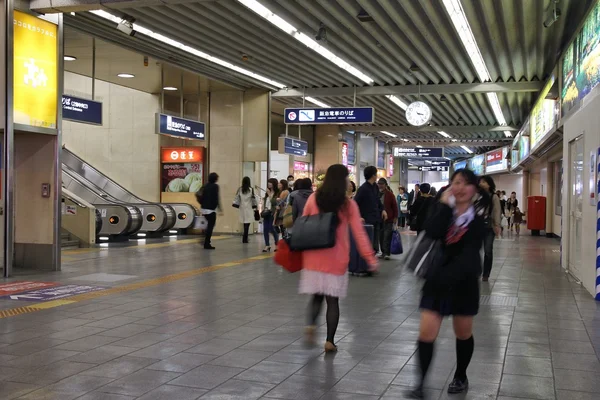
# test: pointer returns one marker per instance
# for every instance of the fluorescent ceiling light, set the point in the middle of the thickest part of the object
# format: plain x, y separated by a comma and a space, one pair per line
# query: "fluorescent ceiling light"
69, 58
170, 88
468, 150
406, 140
389, 134
126, 76
419, 146
508, 134
493, 98
317, 102
397, 101
309, 42
191, 50
444, 134
454, 140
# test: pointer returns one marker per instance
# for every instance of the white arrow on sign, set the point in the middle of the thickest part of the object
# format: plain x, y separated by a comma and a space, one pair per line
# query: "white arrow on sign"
26, 296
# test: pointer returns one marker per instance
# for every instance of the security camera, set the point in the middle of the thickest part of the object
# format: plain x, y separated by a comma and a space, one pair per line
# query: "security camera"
126, 27
321, 34
553, 16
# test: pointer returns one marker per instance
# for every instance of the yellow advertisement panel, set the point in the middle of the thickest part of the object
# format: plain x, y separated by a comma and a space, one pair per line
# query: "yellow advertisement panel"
35, 71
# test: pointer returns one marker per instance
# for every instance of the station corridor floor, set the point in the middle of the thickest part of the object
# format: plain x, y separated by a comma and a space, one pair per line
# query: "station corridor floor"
173, 321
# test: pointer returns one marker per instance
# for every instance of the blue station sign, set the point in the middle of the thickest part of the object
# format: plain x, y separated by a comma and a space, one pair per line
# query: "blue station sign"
439, 166
81, 110
295, 147
179, 127
337, 115
419, 152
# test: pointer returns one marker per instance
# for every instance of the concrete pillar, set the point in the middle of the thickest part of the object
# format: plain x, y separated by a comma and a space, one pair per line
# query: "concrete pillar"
327, 147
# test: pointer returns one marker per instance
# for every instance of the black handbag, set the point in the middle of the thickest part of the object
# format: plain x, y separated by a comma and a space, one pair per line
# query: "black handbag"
426, 256
313, 232
256, 215
266, 214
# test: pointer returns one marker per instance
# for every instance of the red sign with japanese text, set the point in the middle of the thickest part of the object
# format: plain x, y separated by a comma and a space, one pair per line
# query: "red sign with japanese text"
7, 289
391, 165
182, 155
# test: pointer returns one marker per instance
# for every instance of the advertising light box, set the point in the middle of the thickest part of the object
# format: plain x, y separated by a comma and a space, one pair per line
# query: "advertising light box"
543, 116
349, 138
380, 154
495, 160
460, 164
35, 79
333, 115
477, 164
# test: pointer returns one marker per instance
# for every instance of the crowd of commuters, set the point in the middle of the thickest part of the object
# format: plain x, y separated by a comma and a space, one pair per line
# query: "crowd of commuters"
466, 216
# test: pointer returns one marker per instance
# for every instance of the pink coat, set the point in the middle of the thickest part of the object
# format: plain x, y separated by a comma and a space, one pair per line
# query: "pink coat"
335, 260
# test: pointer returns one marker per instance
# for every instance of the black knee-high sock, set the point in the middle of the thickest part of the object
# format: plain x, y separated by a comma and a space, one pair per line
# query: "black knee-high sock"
425, 356
314, 308
333, 317
464, 352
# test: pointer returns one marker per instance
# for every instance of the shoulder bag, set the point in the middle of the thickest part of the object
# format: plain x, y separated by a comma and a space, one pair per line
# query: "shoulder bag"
426, 256
314, 232
237, 200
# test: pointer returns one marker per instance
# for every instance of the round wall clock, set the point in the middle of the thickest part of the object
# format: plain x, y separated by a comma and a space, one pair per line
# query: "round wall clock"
418, 113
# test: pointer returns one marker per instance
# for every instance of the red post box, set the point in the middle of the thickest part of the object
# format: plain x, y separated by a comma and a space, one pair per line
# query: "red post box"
536, 214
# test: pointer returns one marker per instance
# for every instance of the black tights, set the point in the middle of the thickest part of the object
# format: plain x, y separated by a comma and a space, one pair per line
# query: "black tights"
332, 316
464, 352
246, 229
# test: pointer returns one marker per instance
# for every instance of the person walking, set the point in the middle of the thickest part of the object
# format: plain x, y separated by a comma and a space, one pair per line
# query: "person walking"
298, 198
367, 199
324, 275
420, 209
489, 207
282, 199
511, 204
402, 200
351, 190
211, 202
386, 228
268, 213
245, 201
453, 287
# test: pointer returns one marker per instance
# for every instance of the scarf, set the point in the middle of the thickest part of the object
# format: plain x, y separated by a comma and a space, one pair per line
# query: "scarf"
460, 225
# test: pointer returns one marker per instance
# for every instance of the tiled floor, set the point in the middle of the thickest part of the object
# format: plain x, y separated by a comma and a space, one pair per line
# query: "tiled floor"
236, 332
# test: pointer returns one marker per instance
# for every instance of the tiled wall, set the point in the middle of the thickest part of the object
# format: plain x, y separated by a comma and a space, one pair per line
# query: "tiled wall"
125, 147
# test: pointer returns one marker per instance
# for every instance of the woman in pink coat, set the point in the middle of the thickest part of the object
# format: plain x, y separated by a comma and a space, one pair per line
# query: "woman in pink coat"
324, 274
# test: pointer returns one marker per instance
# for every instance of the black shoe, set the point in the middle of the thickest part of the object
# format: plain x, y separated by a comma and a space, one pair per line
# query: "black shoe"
458, 386
416, 393
208, 247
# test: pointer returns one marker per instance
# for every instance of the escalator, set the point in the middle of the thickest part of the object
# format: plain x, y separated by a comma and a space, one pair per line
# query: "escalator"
182, 214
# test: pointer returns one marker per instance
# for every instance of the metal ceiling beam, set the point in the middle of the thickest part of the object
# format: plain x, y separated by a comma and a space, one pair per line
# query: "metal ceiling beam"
65, 6
403, 90
414, 129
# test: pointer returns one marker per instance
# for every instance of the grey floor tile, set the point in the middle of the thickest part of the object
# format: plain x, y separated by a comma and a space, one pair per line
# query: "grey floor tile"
239, 390
119, 367
529, 366
207, 376
69, 388
142, 340
410, 376
403, 393
373, 383
102, 354
161, 350
52, 373
182, 362
240, 358
477, 390
528, 350
13, 390
572, 346
348, 396
301, 387
126, 331
104, 396
269, 372
581, 362
527, 387
41, 358
139, 383
171, 392
87, 343
571, 395
484, 373
216, 347
581, 381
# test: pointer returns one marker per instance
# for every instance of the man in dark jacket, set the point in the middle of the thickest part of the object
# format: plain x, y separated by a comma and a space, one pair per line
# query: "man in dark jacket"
420, 210
367, 199
298, 198
386, 228
211, 202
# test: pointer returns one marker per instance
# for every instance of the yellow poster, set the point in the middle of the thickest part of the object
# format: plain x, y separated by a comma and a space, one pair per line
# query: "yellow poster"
35, 71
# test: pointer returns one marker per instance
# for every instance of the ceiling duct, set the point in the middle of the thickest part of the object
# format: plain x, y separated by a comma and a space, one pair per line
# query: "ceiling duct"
364, 16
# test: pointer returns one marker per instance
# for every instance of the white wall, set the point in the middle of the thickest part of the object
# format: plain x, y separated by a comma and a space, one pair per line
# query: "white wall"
280, 166
584, 122
125, 147
414, 177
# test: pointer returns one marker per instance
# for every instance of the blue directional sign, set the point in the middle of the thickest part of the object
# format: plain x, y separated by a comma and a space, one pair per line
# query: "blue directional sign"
339, 115
419, 152
81, 110
295, 147
180, 127
440, 166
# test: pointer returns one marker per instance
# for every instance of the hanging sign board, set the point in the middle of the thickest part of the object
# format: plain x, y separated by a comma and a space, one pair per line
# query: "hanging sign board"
179, 127
439, 166
35, 79
496, 161
81, 110
181, 154
338, 115
421, 152
293, 146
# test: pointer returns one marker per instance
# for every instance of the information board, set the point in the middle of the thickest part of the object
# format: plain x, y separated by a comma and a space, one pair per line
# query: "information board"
81, 110
295, 147
421, 152
337, 115
179, 127
380, 154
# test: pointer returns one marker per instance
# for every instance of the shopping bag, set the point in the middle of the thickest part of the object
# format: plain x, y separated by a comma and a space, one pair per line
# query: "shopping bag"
200, 222
288, 219
396, 247
291, 261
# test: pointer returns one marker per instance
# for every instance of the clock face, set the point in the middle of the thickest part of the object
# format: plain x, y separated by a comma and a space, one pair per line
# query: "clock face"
418, 113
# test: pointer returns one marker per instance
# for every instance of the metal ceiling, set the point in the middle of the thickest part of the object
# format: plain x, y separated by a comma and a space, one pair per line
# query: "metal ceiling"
510, 34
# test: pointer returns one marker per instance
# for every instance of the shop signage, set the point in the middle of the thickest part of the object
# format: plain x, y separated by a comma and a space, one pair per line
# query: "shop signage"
179, 127
341, 115
54, 293
542, 118
345, 154
496, 161
422, 152
7, 289
181, 177
349, 138
380, 154
81, 110
300, 166
391, 165
295, 147
181, 154
35, 79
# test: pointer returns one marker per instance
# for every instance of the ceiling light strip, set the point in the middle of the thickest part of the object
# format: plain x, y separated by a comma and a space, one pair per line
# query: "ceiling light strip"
317, 102
444, 134
397, 101
468, 150
389, 134
309, 42
190, 50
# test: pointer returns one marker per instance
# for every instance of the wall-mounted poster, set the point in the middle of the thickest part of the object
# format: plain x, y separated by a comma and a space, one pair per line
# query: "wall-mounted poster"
380, 154
477, 164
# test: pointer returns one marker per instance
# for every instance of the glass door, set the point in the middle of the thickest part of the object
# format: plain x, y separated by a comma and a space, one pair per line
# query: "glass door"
575, 206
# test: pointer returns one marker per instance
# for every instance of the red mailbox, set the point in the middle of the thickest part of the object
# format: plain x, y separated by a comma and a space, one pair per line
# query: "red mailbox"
536, 214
